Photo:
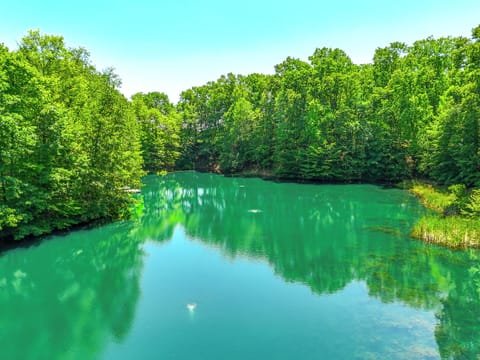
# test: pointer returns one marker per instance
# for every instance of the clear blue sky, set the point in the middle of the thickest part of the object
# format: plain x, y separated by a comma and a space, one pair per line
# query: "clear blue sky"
172, 45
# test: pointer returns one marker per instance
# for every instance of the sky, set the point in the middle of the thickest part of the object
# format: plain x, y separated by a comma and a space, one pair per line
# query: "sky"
172, 45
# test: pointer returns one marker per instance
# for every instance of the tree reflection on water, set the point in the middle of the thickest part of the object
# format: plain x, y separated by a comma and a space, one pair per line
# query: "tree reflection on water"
326, 237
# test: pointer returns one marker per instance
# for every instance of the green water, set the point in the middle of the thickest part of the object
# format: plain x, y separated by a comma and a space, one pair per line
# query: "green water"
277, 271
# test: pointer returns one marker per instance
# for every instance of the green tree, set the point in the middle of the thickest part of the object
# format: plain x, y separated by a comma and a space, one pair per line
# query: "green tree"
160, 128
69, 139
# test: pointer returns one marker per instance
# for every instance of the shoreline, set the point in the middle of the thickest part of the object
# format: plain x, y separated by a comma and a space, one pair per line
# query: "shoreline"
450, 231
448, 225
34, 240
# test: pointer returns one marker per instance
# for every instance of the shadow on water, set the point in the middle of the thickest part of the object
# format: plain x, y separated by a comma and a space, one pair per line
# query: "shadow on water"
33, 241
326, 237
63, 299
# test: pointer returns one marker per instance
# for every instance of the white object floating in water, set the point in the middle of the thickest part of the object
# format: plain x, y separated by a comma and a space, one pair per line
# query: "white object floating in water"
255, 211
129, 190
191, 306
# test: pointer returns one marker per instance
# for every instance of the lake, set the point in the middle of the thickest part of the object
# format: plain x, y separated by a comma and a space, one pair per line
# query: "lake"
236, 268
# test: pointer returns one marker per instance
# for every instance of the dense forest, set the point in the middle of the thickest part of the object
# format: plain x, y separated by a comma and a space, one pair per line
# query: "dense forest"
72, 146
69, 141
413, 113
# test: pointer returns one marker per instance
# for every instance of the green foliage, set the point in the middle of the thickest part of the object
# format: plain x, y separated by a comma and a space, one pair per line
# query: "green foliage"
412, 113
447, 227
238, 139
202, 110
160, 128
432, 198
472, 205
452, 231
69, 142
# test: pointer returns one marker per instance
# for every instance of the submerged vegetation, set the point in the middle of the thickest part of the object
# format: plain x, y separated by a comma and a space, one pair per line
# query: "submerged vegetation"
71, 143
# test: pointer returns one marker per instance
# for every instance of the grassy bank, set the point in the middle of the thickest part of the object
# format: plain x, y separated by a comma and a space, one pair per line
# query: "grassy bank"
455, 222
451, 231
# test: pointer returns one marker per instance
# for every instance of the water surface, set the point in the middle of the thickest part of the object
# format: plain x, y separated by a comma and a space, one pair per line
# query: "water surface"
276, 270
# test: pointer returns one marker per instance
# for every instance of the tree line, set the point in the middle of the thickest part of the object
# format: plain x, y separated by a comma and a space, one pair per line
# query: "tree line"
72, 146
414, 112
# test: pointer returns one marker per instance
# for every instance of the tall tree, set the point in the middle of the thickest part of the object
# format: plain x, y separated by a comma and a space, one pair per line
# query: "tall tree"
160, 128
69, 139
